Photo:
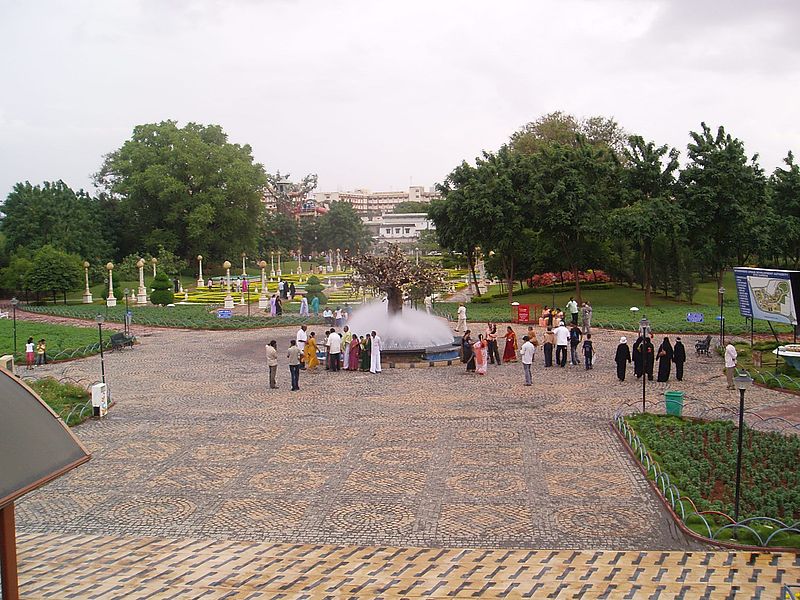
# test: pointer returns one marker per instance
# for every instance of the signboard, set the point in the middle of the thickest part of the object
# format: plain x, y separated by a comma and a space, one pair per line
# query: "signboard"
523, 313
224, 313
695, 317
770, 295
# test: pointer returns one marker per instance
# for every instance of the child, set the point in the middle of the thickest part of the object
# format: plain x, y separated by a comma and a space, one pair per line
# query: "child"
29, 354
41, 353
588, 351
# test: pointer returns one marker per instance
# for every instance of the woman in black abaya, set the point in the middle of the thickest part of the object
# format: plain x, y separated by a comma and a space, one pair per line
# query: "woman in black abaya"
664, 360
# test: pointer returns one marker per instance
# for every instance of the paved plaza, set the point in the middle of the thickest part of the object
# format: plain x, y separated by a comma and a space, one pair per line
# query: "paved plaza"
198, 454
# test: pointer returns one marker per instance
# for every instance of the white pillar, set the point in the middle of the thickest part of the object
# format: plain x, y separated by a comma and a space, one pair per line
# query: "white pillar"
228, 298
141, 293
111, 300
263, 301
299, 261
271, 265
155, 262
87, 293
279, 264
200, 281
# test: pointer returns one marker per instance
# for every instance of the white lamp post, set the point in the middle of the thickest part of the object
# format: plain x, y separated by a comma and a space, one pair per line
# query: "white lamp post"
228, 298
244, 277
87, 293
299, 259
279, 264
743, 382
111, 300
141, 293
272, 264
200, 281
263, 301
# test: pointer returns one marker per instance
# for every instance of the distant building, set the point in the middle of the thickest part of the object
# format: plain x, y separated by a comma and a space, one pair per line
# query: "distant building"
366, 202
397, 229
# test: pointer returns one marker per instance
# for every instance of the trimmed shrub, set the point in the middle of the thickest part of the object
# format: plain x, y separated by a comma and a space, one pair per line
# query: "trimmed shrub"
162, 290
314, 289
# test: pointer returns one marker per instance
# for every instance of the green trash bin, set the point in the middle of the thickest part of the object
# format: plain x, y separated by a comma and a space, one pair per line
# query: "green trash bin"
674, 403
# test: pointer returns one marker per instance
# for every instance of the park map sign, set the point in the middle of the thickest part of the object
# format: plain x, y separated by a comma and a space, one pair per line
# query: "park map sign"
771, 295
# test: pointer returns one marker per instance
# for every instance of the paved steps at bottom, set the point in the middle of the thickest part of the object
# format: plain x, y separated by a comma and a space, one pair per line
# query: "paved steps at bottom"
89, 567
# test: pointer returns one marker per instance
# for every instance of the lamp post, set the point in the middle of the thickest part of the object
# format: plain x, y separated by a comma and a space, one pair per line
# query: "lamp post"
245, 283
228, 298
154, 260
644, 331
271, 264
416, 255
100, 319
141, 293
262, 299
279, 264
87, 293
14, 303
743, 382
127, 312
299, 259
200, 281
111, 300
721, 291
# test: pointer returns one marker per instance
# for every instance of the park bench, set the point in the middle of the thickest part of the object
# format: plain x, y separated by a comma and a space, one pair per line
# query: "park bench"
122, 340
702, 346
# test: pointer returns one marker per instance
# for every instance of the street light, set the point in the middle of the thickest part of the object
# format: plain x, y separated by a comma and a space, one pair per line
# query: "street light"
100, 319
721, 291
127, 314
14, 303
743, 382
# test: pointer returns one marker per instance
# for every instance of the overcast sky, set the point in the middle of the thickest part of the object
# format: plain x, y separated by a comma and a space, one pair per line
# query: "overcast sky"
379, 94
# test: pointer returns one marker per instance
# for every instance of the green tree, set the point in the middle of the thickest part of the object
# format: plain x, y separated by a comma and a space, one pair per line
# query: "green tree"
53, 214
187, 189
724, 195
410, 206
278, 231
314, 289
562, 128
784, 194
14, 277
161, 290
341, 227
308, 231
55, 271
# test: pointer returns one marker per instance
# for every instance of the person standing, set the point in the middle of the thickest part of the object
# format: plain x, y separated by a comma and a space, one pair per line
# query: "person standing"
272, 311
585, 317
278, 306
428, 304
272, 363
375, 354
664, 360
366, 353
731, 357
679, 357
548, 342
303, 306
528, 351
491, 343
575, 336
347, 337
294, 364
354, 351
301, 339
638, 363
327, 314
467, 353
334, 350
588, 352
315, 306
622, 358
30, 354
292, 291
480, 352
572, 309
462, 317
41, 353
561, 334
648, 357
589, 316
310, 359
511, 348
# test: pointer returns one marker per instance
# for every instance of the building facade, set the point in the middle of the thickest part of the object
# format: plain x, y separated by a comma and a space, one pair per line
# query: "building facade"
366, 202
397, 229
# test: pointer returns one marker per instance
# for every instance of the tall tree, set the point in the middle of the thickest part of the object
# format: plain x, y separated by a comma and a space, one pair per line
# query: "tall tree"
55, 271
723, 193
648, 181
53, 214
563, 128
341, 227
278, 231
184, 188
784, 193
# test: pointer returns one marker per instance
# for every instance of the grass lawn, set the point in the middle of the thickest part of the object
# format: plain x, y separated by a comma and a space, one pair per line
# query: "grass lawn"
59, 338
62, 398
700, 459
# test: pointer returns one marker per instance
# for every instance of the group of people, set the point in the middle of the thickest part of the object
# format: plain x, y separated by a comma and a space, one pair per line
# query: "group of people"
337, 351
644, 356
35, 353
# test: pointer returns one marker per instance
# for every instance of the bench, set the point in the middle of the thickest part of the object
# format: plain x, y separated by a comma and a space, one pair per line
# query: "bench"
122, 340
702, 346
4, 314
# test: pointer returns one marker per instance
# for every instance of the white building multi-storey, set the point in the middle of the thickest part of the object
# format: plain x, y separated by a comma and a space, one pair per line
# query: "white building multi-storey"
366, 202
397, 229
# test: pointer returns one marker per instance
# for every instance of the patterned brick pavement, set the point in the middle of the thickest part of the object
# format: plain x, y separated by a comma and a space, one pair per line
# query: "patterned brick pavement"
198, 448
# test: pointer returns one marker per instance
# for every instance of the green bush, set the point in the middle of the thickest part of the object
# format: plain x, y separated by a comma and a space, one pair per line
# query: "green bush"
162, 290
485, 299
314, 289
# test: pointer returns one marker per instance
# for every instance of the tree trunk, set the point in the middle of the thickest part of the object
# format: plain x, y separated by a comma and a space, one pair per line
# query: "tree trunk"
647, 267
578, 298
510, 277
472, 261
395, 301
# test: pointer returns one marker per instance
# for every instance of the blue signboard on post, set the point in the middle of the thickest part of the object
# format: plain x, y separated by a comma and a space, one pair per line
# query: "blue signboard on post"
694, 317
224, 313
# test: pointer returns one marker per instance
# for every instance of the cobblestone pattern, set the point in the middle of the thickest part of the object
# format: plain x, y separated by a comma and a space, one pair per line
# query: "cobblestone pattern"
131, 569
198, 446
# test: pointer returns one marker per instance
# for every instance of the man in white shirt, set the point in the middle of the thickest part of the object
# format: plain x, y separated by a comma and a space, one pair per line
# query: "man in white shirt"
327, 314
562, 340
572, 309
334, 350
730, 364
375, 354
301, 338
528, 351
272, 363
428, 304
462, 317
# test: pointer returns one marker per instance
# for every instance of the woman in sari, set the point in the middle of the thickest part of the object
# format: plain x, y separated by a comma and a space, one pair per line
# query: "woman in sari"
310, 352
481, 355
467, 355
355, 351
510, 351
272, 306
366, 351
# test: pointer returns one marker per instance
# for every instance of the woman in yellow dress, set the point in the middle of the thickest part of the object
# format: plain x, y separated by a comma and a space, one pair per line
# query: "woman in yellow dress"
310, 352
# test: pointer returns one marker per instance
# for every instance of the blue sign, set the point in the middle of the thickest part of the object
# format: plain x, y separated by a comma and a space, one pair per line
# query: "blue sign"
224, 313
695, 317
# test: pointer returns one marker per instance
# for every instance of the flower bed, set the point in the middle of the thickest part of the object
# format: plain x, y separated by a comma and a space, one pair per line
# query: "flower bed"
693, 463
